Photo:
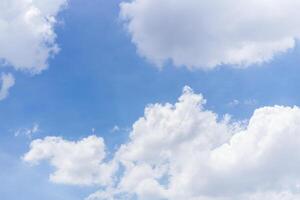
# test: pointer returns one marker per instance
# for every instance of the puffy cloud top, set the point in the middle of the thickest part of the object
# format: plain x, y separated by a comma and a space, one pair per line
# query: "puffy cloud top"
76, 163
27, 36
183, 151
205, 34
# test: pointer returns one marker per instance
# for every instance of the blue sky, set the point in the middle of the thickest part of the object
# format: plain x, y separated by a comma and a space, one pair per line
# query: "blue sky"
98, 81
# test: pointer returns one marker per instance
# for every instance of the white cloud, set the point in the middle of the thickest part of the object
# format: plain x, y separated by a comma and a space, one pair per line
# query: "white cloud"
76, 163
8, 81
183, 151
208, 33
27, 36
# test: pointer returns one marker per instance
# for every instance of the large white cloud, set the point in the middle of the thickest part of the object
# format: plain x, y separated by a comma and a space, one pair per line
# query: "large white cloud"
76, 163
207, 33
183, 151
27, 37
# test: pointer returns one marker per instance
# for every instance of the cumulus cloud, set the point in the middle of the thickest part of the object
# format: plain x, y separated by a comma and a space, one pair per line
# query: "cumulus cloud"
76, 163
184, 151
209, 33
27, 36
8, 81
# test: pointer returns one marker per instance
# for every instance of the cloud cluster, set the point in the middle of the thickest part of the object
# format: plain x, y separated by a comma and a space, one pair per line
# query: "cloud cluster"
76, 163
27, 36
205, 34
183, 151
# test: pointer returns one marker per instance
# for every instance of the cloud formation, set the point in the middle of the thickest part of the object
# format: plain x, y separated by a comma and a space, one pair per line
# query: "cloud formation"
183, 151
27, 36
7, 81
209, 33
76, 163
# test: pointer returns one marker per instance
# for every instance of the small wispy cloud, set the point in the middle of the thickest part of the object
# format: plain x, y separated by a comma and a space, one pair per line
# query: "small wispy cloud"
247, 102
233, 103
28, 132
117, 129
7, 81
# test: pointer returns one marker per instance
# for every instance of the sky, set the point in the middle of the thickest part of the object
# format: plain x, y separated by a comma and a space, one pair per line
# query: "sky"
149, 100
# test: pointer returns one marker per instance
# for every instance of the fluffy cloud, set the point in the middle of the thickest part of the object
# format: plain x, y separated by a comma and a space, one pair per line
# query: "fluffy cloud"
183, 151
27, 36
76, 163
8, 81
205, 34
